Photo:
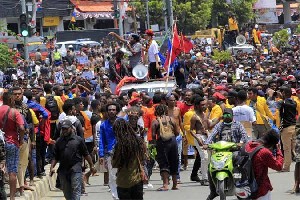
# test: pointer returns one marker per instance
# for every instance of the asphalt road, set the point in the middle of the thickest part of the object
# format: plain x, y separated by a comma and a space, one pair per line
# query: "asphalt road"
188, 190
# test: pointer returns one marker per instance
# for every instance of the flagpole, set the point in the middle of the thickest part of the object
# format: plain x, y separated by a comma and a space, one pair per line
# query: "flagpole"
170, 58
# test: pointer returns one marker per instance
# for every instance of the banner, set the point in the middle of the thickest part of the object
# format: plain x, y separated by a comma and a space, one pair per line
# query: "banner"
261, 4
50, 21
267, 16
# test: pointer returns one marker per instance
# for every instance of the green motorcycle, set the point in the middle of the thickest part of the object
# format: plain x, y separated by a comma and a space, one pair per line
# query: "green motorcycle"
221, 168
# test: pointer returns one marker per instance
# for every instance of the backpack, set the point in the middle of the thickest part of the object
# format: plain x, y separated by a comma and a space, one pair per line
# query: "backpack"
52, 106
88, 128
166, 130
245, 183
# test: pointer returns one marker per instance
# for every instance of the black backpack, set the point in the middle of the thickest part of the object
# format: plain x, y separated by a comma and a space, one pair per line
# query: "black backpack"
52, 106
244, 177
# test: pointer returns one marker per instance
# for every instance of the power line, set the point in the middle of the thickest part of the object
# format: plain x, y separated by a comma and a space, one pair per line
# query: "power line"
10, 8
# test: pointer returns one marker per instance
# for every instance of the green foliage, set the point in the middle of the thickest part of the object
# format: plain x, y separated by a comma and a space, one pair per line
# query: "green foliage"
6, 56
241, 8
221, 56
298, 29
281, 38
192, 15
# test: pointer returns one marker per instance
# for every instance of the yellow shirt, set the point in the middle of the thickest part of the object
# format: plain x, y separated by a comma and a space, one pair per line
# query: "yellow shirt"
255, 37
187, 126
59, 101
233, 26
35, 120
216, 112
262, 109
227, 105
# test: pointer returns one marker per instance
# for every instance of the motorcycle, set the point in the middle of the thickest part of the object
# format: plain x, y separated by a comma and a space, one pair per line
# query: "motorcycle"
221, 168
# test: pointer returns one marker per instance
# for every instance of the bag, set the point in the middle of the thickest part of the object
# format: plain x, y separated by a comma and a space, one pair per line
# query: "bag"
88, 129
166, 131
52, 106
244, 178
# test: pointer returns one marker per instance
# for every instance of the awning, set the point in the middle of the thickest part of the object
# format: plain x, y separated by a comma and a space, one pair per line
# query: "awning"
92, 6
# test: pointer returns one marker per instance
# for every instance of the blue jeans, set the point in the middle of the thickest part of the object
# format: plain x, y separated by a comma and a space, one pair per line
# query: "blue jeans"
179, 144
71, 184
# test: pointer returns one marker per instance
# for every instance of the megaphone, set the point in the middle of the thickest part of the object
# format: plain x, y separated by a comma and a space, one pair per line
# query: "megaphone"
240, 40
140, 71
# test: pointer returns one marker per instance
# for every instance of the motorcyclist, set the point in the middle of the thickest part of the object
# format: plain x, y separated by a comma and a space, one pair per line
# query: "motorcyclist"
230, 131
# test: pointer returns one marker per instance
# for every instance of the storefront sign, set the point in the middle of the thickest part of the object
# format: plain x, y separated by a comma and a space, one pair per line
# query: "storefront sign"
50, 21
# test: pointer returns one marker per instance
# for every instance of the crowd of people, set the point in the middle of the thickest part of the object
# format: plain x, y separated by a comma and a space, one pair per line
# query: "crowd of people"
76, 115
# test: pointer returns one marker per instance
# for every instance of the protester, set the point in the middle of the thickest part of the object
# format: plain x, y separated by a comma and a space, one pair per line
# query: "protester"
14, 138
165, 129
68, 151
264, 159
128, 158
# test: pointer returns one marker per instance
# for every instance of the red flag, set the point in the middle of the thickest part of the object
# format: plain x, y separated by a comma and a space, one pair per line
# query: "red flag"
176, 47
186, 44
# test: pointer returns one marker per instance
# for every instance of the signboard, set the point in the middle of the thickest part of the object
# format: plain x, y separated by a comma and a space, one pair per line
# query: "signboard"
50, 21
82, 59
267, 16
261, 4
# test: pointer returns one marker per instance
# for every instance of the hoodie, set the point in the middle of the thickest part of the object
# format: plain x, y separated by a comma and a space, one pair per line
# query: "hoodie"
263, 160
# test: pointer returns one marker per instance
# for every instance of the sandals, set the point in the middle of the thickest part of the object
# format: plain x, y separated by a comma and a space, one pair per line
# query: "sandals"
162, 189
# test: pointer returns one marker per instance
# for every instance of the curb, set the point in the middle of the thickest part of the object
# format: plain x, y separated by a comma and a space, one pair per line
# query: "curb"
42, 187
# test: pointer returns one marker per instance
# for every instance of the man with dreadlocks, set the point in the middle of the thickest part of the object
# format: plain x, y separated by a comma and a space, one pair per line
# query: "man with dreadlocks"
106, 144
164, 130
128, 159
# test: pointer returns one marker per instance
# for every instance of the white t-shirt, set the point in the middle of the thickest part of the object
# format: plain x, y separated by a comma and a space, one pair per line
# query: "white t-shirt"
152, 51
243, 113
238, 73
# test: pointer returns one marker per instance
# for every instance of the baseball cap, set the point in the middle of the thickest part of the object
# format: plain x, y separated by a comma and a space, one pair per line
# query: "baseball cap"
228, 111
66, 124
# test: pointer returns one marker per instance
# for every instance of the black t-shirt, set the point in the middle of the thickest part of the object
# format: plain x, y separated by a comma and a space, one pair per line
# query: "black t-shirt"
95, 119
69, 152
288, 112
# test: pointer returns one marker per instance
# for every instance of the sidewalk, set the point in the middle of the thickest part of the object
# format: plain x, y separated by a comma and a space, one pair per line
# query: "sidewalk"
41, 189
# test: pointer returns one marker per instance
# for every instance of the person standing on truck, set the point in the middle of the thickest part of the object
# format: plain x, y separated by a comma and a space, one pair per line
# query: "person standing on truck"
134, 46
152, 51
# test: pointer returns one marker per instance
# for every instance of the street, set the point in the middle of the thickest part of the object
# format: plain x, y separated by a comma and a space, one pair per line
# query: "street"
282, 182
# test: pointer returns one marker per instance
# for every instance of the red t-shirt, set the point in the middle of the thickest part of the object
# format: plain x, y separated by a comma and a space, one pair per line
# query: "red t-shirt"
184, 107
262, 161
12, 123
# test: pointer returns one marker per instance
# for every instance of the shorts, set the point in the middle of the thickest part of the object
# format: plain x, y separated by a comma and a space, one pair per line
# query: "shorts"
12, 158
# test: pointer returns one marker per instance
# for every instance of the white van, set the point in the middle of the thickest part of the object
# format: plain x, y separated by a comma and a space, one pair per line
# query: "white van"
62, 47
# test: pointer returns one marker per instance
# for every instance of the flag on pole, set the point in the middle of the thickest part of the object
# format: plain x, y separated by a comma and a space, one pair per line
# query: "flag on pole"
163, 59
186, 44
175, 49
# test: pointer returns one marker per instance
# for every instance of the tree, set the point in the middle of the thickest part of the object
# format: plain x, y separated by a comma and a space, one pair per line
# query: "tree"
281, 38
6, 56
192, 15
241, 8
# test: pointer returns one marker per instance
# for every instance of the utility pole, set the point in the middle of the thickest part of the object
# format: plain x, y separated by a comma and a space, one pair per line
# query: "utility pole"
171, 12
24, 11
120, 21
165, 12
34, 8
148, 17
134, 19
